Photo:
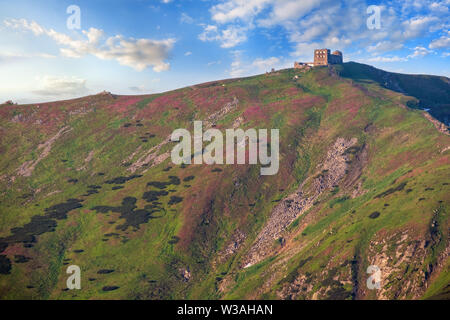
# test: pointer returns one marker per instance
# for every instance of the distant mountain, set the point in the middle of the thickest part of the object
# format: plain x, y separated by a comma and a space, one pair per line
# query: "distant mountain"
362, 191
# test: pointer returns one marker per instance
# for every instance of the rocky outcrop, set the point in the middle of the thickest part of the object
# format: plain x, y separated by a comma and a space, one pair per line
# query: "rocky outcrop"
437, 124
152, 157
26, 169
332, 171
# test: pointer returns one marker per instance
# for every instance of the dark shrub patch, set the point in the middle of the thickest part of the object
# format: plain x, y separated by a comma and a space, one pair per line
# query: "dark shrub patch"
122, 180
174, 200
93, 186
40, 224
126, 125
21, 259
374, 215
174, 240
189, 178
429, 189
78, 251
173, 180
101, 173
216, 170
105, 271
90, 192
421, 199
167, 169
400, 187
110, 288
5, 265
151, 196
72, 181
59, 211
117, 187
157, 184
111, 234
128, 211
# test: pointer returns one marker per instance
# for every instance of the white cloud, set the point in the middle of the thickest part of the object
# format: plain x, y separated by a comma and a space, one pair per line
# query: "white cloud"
17, 56
440, 7
185, 18
420, 52
310, 24
51, 86
136, 53
305, 51
232, 10
285, 11
229, 37
384, 46
442, 42
387, 59
188, 53
417, 26
241, 67
265, 64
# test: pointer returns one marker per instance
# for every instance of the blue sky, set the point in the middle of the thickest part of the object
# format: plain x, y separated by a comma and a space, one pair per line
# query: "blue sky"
148, 46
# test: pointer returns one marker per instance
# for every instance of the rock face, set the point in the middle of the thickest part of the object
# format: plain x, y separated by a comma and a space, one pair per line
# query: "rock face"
439, 125
332, 171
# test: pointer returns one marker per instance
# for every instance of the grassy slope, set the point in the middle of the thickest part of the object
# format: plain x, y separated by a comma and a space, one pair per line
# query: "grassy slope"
431, 92
148, 260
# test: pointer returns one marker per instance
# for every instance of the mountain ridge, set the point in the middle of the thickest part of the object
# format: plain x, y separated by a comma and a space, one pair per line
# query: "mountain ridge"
362, 181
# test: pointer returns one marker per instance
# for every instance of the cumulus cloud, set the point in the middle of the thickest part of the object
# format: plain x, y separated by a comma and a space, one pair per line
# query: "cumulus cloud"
135, 53
229, 37
52, 86
420, 51
285, 11
327, 23
232, 10
384, 46
441, 43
